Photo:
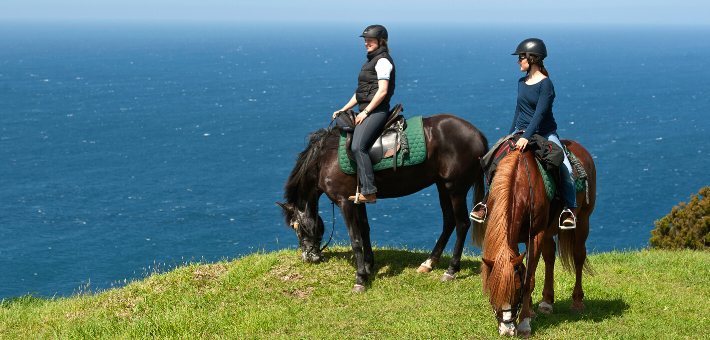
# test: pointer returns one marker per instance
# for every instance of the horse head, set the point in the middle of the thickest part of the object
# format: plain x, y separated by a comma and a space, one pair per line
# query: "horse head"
308, 228
502, 270
503, 281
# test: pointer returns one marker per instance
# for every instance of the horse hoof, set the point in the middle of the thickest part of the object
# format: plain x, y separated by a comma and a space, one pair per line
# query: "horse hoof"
524, 331
506, 329
576, 311
423, 269
359, 289
427, 266
545, 307
447, 277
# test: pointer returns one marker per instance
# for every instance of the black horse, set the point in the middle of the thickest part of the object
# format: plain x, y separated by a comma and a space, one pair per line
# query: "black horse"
452, 163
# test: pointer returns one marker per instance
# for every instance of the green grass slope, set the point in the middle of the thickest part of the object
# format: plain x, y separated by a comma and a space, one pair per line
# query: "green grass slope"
643, 294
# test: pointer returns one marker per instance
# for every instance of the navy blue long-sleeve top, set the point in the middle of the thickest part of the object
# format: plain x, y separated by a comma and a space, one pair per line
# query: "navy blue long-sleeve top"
533, 112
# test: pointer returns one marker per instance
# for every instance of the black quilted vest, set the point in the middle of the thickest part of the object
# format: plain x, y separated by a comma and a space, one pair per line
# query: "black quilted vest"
367, 81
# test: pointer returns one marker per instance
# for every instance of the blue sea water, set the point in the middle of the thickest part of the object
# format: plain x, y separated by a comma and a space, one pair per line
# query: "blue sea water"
125, 146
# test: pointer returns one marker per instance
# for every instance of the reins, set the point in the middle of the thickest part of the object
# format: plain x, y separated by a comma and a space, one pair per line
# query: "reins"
532, 207
527, 257
332, 231
333, 203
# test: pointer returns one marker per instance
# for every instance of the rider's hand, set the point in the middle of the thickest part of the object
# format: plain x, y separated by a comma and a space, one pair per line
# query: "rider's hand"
360, 117
521, 144
336, 113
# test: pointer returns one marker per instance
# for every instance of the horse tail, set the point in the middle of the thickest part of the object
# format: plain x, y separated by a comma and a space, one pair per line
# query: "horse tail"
565, 249
478, 230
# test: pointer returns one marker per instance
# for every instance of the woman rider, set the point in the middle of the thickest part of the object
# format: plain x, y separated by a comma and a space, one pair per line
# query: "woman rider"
533, 115
374, 90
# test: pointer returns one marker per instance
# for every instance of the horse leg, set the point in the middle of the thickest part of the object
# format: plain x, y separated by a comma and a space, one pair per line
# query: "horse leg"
449, 224
580, 257
369, 257
548, 292
462, 226
534, 250
351, 214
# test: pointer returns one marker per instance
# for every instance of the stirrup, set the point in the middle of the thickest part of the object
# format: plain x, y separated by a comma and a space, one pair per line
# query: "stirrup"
485, 213
357, 195
563, 227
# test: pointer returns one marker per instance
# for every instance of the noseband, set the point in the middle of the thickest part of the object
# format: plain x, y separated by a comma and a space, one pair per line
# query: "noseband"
520, 301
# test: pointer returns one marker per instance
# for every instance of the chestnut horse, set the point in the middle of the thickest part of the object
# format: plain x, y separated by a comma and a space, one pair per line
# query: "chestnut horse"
453, 149
517, 197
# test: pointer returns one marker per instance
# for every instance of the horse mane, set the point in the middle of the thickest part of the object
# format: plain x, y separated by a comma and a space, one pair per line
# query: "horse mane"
308, 160
499, 282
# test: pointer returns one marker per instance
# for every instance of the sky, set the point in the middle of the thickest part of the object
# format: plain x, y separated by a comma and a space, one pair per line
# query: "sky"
630, 12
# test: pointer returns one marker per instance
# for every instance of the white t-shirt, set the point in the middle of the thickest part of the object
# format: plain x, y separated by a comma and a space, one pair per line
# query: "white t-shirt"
383, 69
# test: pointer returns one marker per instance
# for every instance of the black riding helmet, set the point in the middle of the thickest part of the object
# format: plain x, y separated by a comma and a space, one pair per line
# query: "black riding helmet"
375, 31
532, 46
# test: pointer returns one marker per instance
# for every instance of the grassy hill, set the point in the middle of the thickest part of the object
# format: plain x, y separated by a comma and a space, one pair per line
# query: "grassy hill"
641, 294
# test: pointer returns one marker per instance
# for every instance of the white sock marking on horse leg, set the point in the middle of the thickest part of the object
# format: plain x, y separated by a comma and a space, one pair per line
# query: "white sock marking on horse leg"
427, 264
545, 307
524, 325
507, 328
524, 330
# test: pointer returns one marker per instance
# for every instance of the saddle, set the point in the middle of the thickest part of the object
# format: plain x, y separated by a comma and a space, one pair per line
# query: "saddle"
391, 137
548, 157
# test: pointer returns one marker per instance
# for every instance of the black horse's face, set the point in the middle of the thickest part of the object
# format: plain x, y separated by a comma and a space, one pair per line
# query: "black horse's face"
309, 230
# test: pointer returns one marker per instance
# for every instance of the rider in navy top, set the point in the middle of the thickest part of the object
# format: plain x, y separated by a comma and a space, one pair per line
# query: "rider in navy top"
376, 84
533, 115
534, 110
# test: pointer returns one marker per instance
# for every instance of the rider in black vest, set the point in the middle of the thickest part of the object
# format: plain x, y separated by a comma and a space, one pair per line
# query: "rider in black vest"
374, 90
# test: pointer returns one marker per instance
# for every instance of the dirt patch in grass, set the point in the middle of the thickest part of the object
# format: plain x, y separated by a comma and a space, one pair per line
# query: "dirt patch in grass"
300, 292
292, 277
209, 272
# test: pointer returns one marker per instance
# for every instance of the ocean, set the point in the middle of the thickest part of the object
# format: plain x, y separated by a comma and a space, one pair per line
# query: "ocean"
126, 146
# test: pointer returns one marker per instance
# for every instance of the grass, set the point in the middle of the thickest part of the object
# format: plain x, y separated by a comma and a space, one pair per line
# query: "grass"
645, 294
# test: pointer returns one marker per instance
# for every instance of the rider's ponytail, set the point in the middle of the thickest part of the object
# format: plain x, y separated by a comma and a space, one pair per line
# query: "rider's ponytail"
540, 64
383, 42
543, 69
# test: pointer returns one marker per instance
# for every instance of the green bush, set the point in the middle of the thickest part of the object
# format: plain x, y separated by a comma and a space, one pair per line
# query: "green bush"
687, 226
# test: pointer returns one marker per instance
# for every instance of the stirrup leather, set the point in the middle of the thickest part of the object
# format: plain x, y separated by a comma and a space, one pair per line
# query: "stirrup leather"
563, 227
485, 213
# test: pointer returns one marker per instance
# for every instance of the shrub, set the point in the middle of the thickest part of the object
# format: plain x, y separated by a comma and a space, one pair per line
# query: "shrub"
687, 226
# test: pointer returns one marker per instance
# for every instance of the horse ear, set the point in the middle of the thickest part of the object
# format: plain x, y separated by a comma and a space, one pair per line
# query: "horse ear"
287, 207
518, 260
488, 262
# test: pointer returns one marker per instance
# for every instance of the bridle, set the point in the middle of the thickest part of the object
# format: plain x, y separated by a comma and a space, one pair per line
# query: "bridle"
519, 272
331, 202
310, 249
520, 301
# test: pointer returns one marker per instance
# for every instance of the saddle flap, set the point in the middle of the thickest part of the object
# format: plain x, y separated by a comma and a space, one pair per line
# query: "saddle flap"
382, 147
384, 144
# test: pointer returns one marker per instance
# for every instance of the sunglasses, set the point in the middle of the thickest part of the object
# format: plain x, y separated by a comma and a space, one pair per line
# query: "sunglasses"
521, 57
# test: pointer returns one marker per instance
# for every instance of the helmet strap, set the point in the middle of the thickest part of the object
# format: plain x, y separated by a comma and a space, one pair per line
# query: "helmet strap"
527, 57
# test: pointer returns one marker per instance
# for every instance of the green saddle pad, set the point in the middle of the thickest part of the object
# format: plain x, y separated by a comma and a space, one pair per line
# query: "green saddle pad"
579, 184
416, 154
